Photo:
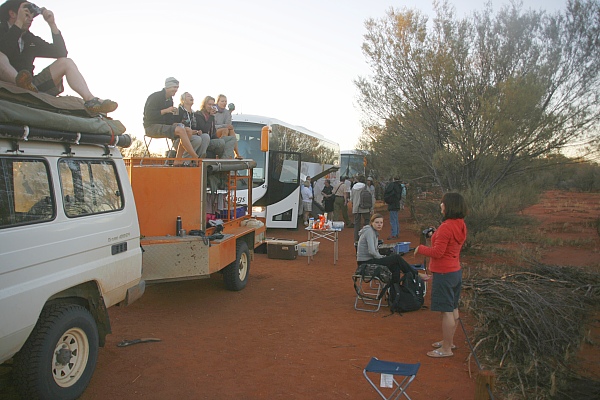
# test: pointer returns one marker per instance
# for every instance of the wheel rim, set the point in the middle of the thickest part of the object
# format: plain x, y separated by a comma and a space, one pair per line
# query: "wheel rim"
70, 357
243, 266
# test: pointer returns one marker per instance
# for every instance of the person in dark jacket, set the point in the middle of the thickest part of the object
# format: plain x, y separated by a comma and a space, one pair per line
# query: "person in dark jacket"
205, 118
394, 207
328, 197
19, 48
159, 120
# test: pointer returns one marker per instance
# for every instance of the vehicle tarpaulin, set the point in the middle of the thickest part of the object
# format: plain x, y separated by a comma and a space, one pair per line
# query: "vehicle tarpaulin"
40, 110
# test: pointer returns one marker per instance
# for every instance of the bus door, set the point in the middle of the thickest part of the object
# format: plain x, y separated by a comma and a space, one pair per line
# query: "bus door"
283, 189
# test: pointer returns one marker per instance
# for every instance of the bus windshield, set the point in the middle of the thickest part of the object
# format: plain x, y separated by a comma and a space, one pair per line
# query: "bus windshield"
248, 136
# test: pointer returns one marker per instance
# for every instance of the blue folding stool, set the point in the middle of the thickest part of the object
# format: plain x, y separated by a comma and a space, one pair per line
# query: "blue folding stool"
408, 371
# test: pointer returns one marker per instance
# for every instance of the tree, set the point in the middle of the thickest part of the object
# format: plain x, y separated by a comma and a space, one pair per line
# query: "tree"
471, 102
137, 149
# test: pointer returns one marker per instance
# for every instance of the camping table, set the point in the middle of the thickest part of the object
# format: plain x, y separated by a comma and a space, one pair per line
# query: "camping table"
327, 234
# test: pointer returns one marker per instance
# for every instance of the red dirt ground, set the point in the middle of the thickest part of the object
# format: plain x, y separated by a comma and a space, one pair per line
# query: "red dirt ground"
293, 333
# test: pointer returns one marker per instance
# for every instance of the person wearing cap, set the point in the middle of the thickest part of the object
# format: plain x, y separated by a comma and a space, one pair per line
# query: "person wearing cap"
19, 48
159, 121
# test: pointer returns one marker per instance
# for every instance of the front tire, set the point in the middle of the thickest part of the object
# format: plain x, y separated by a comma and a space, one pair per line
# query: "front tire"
236, 274
59, 357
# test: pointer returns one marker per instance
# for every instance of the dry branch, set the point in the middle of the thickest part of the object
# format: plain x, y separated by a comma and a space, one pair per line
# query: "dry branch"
530, 324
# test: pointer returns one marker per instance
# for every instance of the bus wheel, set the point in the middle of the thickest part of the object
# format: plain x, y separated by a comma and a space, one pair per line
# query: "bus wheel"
236, 274
59, 357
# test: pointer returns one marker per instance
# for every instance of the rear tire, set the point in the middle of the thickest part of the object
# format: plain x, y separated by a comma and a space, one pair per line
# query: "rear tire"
59, 357
236, 274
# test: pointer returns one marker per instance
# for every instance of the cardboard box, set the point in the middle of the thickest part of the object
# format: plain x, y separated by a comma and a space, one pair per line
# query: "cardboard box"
305, 248
283, 249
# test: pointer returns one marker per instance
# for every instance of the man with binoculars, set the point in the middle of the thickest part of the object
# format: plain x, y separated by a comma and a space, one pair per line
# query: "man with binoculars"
19, 48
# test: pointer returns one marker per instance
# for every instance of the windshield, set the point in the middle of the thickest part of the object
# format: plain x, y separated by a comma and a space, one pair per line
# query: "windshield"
248, 136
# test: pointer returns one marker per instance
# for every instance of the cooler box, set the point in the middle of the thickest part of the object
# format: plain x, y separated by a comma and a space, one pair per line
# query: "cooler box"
402, 247
237, 213
305, 248
283, 249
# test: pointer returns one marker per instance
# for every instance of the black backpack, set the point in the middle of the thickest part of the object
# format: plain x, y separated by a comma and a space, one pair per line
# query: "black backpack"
408, 294
390, 195
366, 199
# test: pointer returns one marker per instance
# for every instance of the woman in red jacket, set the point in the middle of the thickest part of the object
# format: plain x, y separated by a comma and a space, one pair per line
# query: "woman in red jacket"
444, 252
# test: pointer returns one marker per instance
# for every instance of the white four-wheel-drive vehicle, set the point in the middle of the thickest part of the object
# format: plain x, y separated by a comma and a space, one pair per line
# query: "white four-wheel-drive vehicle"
71, 241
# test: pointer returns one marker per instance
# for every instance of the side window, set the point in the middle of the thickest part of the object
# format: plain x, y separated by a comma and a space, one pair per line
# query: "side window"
25, 192
89, 187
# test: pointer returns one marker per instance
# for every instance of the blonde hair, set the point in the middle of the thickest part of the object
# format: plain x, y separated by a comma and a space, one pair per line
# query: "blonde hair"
206, 100
182, 98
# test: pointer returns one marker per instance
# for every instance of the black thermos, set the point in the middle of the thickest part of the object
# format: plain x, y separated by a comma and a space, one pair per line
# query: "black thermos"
178, 226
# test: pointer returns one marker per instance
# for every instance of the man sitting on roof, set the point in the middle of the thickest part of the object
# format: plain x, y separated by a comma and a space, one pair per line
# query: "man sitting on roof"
19, 48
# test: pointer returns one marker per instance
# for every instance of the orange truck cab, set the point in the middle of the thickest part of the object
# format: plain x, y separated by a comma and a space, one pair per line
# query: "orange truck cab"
190, 223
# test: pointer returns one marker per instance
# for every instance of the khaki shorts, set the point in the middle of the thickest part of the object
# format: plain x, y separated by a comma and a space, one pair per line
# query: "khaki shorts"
45, 84
161, 131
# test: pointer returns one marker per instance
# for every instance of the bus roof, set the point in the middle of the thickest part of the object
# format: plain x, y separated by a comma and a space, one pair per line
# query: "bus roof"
258, 119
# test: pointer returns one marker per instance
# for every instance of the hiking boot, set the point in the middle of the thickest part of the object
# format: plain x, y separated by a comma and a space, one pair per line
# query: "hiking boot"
24, 80
96, 106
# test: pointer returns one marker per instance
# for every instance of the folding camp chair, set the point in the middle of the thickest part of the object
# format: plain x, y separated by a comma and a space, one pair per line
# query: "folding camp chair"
171, 147
369, 296
370, 284
408, 371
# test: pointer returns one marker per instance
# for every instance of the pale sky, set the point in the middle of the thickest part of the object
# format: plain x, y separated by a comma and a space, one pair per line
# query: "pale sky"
290, 60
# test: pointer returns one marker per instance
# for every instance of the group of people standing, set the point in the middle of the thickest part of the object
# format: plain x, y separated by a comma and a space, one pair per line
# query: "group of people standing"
202, 133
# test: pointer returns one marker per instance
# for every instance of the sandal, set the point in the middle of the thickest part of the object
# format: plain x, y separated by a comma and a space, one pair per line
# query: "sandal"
437, 345
95, 106
24, 80
438, 354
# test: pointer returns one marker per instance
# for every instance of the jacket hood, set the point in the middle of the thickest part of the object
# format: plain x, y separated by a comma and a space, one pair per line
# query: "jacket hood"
366, 228
459, 229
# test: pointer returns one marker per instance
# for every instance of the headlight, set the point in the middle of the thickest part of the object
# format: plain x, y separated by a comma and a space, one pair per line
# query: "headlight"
258, 210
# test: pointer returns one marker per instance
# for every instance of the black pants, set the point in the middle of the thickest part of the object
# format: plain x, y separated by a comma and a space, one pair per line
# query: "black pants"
395, 263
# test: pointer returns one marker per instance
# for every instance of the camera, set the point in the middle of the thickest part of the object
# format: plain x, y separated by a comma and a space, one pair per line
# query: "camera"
34, 10
428, 232
215, 108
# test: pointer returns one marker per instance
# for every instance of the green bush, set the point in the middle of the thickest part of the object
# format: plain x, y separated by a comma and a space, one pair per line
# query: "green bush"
497, 208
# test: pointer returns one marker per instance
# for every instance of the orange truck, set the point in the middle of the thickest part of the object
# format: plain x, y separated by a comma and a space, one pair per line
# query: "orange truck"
198, 200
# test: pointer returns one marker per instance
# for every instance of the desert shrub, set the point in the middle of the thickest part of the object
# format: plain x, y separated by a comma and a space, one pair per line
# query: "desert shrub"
586, 178
571, 174
530, 323
498, 207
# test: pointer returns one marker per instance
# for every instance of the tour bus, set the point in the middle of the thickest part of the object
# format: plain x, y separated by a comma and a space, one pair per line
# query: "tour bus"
285, 155
353, 163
